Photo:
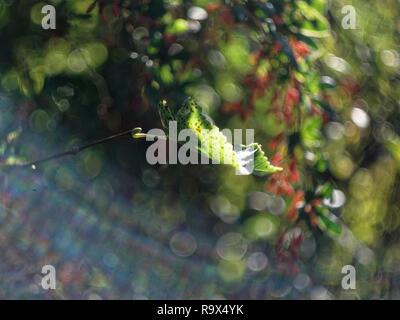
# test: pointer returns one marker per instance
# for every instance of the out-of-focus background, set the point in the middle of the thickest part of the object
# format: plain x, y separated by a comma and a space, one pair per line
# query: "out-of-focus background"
322, 98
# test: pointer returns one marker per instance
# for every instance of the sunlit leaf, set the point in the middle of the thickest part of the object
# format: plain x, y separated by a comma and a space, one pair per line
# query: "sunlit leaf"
329, 224
212, 143
315, 25
311, 133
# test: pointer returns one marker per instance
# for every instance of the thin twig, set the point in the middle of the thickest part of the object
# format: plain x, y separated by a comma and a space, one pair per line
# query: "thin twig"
136, 133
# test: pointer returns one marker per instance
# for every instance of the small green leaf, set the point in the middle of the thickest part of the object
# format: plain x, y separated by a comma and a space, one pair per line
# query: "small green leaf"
321, 164
315, 25
310, 132
213, 143
327, 223
326, 190
179, 26
261, 164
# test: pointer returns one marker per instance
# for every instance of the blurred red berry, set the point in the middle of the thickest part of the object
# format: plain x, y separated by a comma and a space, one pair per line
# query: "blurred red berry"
276, 140
300, 49
212, 6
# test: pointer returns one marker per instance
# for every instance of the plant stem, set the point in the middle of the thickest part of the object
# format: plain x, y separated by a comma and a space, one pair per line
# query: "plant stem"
135, 133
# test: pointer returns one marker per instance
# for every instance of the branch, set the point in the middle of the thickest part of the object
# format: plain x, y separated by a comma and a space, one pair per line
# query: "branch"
135, 133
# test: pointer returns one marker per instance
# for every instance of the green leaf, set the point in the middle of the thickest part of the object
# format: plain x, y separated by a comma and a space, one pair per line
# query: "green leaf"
261, 164
321, 165
325, 222
319, 5
179, 26
310, 132
326, 190
247, 159
315, 25
213, 143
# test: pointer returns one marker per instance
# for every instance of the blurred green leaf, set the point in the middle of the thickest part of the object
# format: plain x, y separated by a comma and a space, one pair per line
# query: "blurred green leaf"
315, 25
329, 224
310, 132
326, 190
178, 26
212, 143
